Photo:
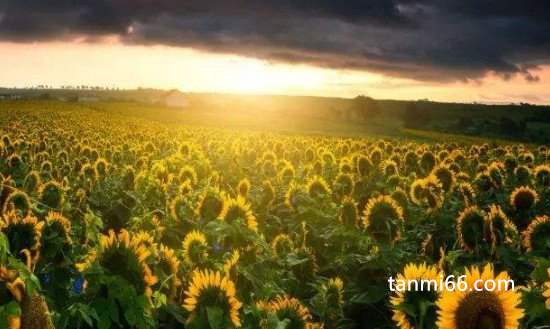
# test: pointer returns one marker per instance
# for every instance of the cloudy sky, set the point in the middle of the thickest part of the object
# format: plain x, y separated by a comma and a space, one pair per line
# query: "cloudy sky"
449, 50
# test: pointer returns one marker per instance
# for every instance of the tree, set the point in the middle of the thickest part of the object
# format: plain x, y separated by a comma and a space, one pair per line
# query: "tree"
416, 117
364, 108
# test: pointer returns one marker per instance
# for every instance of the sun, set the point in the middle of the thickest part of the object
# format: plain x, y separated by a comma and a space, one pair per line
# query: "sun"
250, 76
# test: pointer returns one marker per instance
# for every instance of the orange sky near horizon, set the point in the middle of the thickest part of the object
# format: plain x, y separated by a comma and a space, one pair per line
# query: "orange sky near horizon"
111, 64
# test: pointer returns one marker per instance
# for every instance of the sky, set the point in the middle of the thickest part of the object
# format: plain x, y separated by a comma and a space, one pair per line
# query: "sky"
490, 51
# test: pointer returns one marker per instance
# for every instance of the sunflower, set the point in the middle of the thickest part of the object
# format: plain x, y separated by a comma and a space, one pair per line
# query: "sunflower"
56, 238
52, 194
546, 293
523, 198
231, 264
318, 187
282, 245
268, 193
465, 192
498, 226
421, 301
471, 309
212, 290
244, 187
363, 166
188, 173
23, 236
180, 208
348, 212
294, 193
444, 176
19, 202
234, 209
542, 175
194, 248
470, 224
291, 310
427, 191
168, 264
333, 293
56, 222
307, 268
145, 238
125, 257
185, 188
523, 175
383, 217
536, 236
12, 286
343, 185
210, 203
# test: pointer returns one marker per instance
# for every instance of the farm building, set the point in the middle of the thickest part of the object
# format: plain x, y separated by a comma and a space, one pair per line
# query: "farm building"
172, 98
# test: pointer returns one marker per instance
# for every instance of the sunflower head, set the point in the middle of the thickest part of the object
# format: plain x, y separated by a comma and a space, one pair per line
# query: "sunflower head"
244, 187
348, 212
428, 161
123, 256
389, 168
307, 268
318, 187
208, 290
523, 198
286, 174
195, 248
23, 234
210, 204
546, 292
523, 175
343, 185
167, 267
420, 301
181, 208
294, 195
188, 173
470, 309
333, 293
185, 188
32, 181
238, 208
542, 175
363, 166
445, 176
536, 237
129, 178
52, 194
291, 310
230, 264
268, 193
498, 227
18, 202
383, 218
470, 224
282, 245
466, 192
56, 237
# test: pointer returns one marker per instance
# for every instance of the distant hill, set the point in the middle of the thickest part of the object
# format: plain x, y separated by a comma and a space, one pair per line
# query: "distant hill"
514, 121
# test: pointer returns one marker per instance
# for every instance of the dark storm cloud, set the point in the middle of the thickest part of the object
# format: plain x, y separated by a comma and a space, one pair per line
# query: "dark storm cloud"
420, 39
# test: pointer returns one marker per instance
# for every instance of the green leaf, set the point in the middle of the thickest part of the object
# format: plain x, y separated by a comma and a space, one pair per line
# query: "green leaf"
12, 309
215, 317
540, 273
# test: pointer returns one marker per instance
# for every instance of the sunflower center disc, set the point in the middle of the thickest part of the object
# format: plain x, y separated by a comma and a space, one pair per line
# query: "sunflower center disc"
480, 310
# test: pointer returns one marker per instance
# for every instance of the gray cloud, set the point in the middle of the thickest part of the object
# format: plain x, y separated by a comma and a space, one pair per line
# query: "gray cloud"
439, 40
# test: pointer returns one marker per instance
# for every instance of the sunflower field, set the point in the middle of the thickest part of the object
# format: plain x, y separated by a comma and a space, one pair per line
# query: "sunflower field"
110, 220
